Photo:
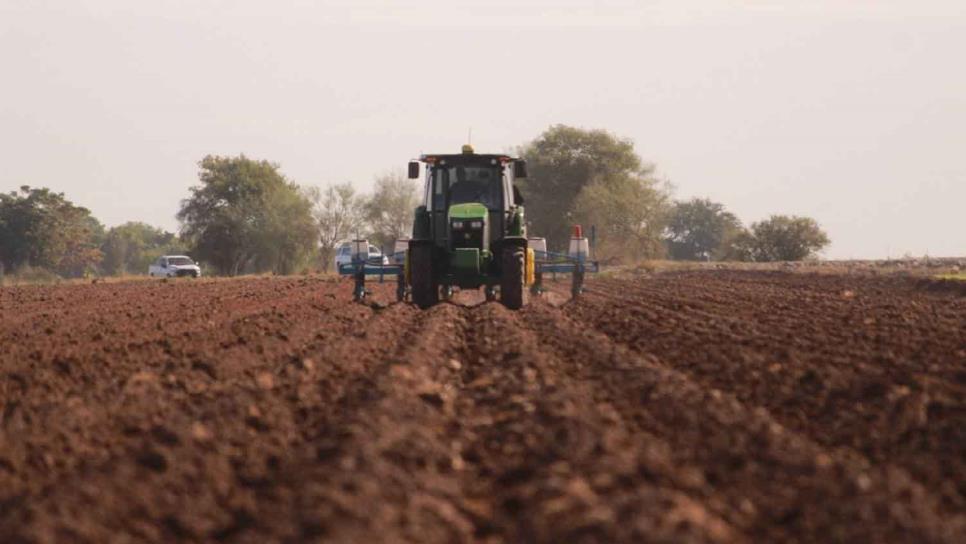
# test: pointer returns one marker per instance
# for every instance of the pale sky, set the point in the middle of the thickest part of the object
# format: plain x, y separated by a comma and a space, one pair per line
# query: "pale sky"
851, 112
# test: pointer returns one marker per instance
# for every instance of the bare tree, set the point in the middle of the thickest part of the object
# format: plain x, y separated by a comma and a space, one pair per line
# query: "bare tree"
389, 210
339, 215
629, 211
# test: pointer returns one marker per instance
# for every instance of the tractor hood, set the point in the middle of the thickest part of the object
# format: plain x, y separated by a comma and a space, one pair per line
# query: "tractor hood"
469, 210
469, 238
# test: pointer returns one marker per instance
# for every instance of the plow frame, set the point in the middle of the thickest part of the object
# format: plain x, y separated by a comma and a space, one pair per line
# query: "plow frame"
548, 262
359, 270
544, 262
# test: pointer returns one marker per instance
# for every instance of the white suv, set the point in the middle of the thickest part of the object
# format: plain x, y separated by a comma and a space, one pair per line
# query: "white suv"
170, 266
344, 256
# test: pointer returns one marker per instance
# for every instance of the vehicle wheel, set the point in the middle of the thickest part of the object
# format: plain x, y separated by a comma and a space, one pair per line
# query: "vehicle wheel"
513, 293
577, 284
425, 288
490, 292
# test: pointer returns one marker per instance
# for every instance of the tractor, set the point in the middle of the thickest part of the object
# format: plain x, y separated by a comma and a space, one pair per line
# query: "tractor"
469, 232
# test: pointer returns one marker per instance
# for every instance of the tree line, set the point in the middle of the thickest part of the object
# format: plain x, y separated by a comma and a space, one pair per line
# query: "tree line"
245, 216
593, 177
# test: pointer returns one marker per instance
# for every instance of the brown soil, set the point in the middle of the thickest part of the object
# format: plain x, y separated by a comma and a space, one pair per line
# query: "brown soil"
696, 406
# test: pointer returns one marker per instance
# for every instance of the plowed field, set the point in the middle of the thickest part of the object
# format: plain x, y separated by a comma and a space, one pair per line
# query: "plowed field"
713, 406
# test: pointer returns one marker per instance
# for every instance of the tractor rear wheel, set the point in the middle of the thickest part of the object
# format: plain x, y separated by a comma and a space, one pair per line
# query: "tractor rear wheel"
513, 293
425, 291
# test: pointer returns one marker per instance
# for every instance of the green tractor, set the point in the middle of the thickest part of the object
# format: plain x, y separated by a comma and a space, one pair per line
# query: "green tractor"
470, 231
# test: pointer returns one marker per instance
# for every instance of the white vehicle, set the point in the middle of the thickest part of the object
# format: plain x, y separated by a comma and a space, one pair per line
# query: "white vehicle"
344, 256
171, 266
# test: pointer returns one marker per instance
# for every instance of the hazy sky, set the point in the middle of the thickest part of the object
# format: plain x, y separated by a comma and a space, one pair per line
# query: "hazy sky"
849, 111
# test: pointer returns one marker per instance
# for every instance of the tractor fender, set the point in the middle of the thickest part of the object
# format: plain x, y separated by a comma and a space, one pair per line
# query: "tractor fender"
514, 241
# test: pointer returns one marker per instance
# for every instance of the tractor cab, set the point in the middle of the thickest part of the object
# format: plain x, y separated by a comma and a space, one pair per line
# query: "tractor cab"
469, 197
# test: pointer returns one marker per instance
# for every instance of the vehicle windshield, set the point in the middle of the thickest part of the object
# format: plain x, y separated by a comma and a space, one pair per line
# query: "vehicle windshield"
179, 261
481, 184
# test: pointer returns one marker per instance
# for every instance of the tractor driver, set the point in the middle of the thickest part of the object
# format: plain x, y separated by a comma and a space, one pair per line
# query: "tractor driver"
475, 184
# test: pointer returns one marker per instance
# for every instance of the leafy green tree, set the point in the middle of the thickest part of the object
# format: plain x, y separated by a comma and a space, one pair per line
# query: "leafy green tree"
701, 230
339, 214
40, 228
389, 211
131, 247
287, 235
786, 238
245, 216
741, 247
562, 162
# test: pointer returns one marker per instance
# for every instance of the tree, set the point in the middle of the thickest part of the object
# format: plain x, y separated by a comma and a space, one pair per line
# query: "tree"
245, 216
629, 212
741, 247
287, 232
562, 162
40, 228
701, 230
786, 238
339, 215
389, 211
132, 246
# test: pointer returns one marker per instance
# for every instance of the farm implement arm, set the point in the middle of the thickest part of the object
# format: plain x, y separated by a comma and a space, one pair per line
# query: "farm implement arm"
359, 268
546, 262
538, 262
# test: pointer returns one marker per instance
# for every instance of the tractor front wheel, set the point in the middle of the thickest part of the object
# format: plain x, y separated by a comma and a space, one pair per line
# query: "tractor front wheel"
513, 293
425, 289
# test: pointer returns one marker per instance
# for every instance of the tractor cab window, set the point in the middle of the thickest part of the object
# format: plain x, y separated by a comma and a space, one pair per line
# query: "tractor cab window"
482, 184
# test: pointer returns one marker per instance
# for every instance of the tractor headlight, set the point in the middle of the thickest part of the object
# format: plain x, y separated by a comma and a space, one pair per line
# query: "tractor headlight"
476, 225
457, 225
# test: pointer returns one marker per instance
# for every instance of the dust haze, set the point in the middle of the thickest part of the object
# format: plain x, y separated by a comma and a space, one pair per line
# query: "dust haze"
851, 113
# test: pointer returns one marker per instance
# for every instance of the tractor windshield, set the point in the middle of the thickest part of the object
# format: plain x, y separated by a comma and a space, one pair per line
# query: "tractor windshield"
482, 184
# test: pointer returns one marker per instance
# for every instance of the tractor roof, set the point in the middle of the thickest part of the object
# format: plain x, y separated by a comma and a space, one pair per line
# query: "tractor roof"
466, 157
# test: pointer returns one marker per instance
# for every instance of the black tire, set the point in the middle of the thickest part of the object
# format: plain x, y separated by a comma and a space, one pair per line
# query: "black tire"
577, 284
513, 292
425, 288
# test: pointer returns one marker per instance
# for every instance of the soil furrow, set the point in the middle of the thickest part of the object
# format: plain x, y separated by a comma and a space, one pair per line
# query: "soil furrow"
558, 464
793, 485
714, 406
862, 395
